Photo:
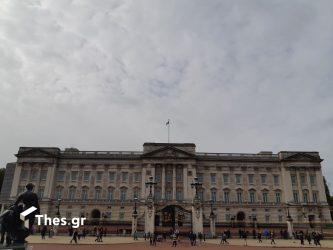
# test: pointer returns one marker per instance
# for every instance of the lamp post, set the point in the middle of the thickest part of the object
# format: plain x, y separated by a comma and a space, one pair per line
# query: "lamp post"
196, 185
135, 202
289, 222
150, 210
212, 219
58, 207
150, 183
135, 219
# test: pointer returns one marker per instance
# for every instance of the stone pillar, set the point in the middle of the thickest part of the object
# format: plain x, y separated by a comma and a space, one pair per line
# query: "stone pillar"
290, 227
197, 218
16, 181
174, 182
143, 183
185, 184
134, 223
49, 181
163, 182
212, 219
150, 218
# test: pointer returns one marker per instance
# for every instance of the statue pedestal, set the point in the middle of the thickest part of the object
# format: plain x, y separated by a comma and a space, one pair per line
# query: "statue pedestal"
134, 222
15, 247
149, 219
212, 219
197, 219
290, 228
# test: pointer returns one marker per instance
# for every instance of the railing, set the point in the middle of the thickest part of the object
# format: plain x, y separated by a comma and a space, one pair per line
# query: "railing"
101, 153
237, 155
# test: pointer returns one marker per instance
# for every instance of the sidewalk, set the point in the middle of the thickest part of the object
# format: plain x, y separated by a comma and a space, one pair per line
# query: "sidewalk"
121, 240
267, 243
87, 240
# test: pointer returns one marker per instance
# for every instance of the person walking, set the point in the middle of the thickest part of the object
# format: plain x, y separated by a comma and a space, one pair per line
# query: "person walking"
75, 233
273, 238
245, 237
259, 237
174, 240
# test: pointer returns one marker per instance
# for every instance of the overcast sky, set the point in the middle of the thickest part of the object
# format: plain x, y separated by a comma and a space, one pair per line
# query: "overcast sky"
233, 76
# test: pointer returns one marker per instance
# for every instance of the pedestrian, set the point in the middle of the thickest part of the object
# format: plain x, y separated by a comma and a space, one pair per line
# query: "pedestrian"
43, 232
75, 233
273, 238
174, 240
259, 237
245, 237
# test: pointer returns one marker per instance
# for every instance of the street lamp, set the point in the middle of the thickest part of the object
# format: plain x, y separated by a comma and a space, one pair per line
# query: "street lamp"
211, 207
150, 183
196, 184
135, 201
58, 207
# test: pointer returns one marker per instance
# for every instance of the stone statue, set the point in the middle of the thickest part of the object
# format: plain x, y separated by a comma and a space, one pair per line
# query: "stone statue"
11, 224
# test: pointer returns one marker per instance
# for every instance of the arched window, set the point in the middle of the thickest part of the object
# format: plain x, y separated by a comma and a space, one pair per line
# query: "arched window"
58, 193
305, 196
213, 194
239, 196
226, 195
98, 193
265, 196
71, 193
84, 193
123, 193
136, 192
110, 193
179, 195
252, 196
277, 196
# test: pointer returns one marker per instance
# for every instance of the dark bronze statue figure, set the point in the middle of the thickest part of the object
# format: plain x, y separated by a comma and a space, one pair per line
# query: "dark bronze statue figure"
11, 224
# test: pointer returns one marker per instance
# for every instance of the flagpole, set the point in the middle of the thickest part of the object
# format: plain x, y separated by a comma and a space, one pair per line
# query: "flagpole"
168, 131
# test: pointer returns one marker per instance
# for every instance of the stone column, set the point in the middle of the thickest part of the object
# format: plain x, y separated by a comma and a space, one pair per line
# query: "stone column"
185, 184
134, 223
174, 182
143, 183
150, 218
212, 219
163, 182
16, 181
49, 181
290, 228
197, 218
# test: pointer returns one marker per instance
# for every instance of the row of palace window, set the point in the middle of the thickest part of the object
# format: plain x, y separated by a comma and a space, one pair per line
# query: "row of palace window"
226, 179
305, 196
86, 176
303, 180
72, 194
35, 174
267, 217
169, 175
252, 196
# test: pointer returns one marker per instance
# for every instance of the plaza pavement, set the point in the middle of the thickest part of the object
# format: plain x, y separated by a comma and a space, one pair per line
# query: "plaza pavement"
90, 240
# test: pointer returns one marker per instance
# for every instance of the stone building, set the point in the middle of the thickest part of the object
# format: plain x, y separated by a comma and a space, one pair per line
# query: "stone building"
240, 189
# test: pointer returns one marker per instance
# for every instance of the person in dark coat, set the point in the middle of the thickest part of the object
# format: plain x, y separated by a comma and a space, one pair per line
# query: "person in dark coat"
29, 199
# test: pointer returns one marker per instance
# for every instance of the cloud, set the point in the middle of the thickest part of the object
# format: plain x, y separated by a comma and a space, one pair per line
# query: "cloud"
232, 76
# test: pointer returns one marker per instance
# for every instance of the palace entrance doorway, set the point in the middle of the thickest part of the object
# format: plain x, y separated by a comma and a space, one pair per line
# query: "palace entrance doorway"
173, 217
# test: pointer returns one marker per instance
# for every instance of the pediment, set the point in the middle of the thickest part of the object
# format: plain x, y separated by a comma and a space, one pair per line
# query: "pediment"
304, 157
168, 152
35, 152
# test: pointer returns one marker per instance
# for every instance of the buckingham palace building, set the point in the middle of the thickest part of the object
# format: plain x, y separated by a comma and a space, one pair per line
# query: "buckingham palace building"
236, 189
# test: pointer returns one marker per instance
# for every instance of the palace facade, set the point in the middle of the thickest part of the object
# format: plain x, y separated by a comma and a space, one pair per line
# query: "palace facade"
256, 189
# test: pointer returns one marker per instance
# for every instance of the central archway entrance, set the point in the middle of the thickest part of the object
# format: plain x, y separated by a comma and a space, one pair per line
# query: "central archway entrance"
173, 216
95, 214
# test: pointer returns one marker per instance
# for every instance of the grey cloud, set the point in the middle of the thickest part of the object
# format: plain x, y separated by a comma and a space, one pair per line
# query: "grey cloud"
239, 76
